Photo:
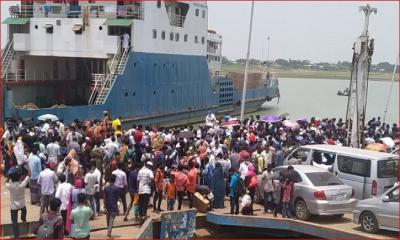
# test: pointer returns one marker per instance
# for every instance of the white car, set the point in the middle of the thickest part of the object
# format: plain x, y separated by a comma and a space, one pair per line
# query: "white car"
380, 212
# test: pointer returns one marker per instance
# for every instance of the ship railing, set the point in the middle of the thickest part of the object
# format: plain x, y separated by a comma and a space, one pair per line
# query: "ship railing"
133, 11
21, 75
212, 37
214, 51
5, 58
14, 75
97, 81
176, 20
5, 51
114, 62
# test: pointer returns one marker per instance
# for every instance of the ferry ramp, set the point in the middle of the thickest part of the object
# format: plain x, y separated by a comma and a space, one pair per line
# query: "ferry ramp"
318, 226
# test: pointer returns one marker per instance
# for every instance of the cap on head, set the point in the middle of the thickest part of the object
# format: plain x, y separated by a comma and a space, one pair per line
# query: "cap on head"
148, 163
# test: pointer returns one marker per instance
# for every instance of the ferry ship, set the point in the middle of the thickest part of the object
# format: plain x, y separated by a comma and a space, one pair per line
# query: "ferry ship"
149, 62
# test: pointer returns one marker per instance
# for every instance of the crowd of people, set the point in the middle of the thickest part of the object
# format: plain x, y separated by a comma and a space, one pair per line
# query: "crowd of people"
69, 169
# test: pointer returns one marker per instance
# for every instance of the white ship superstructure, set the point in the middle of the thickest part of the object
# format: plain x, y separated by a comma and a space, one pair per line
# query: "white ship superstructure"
91, 56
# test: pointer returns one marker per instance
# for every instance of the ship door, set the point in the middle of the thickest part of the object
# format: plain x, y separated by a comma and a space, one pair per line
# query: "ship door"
120, 31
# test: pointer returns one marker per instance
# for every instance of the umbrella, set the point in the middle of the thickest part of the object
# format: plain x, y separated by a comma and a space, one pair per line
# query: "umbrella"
388, 142
231, 123
185, 134
290, 124
48, 116
379, 147
270, 118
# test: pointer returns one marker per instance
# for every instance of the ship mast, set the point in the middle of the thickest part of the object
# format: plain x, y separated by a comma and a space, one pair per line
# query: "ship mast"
363, 49
247, 65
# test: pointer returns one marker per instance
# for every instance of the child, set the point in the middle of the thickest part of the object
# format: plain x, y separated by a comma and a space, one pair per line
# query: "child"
170, 191
287, 192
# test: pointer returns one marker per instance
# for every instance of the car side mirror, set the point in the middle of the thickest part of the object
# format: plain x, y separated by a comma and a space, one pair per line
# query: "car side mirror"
385, 198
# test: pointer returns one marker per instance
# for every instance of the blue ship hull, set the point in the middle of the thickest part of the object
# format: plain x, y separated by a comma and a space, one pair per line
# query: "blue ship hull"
161, 89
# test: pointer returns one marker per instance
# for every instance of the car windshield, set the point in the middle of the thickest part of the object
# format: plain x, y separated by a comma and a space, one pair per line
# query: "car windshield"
323, 179
388, 168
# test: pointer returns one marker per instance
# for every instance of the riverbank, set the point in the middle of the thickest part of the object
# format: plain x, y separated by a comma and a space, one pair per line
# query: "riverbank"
314, 74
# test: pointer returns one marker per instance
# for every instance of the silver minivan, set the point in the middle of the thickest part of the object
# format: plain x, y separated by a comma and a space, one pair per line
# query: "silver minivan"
370, 173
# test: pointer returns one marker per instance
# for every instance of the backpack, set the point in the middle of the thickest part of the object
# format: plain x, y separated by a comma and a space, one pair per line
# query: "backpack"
130, 154
46, 230
240, 187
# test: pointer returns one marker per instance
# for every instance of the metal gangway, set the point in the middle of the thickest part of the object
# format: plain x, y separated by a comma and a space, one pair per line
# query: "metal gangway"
102, 83
6, 58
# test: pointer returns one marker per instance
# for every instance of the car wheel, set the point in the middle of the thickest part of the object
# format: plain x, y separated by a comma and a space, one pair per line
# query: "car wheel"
369, 223
301, 210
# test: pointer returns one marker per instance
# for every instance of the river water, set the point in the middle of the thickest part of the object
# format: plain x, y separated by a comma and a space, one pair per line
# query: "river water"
306, 98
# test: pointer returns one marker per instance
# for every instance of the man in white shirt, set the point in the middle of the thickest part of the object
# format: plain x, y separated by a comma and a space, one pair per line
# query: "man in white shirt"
97, 188
19, 151
53, 149
90, 184
63, 193
145, 178
210, 119
47, 180
125, 41
61, 128
121, 183
269, 188
243, 168
17, 198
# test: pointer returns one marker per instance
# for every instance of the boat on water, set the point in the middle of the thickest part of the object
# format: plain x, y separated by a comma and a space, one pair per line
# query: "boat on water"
345, 92
150, 62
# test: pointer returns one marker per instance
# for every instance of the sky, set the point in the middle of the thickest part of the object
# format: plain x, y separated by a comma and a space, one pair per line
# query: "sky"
315, 31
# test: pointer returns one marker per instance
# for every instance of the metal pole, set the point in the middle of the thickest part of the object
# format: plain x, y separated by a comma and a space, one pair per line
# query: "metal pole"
268, 50
391, 88
247, 64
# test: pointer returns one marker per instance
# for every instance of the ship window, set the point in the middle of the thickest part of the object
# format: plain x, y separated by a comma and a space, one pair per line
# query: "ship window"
154, 33
36, 26
172, 91
177, 37
202, 40
154, 92
100, 28
171, 36
159, 4
196, 39
203, 14
197, 12
163, 35
134, 94
126, 94
185, 37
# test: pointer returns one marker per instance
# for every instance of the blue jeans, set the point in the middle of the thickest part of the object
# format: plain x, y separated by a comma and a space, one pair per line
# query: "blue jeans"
92, 200
286, 210
269, 201
170, 204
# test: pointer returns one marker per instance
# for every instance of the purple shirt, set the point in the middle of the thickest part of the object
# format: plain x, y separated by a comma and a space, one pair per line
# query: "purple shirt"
120, 181
111, 195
